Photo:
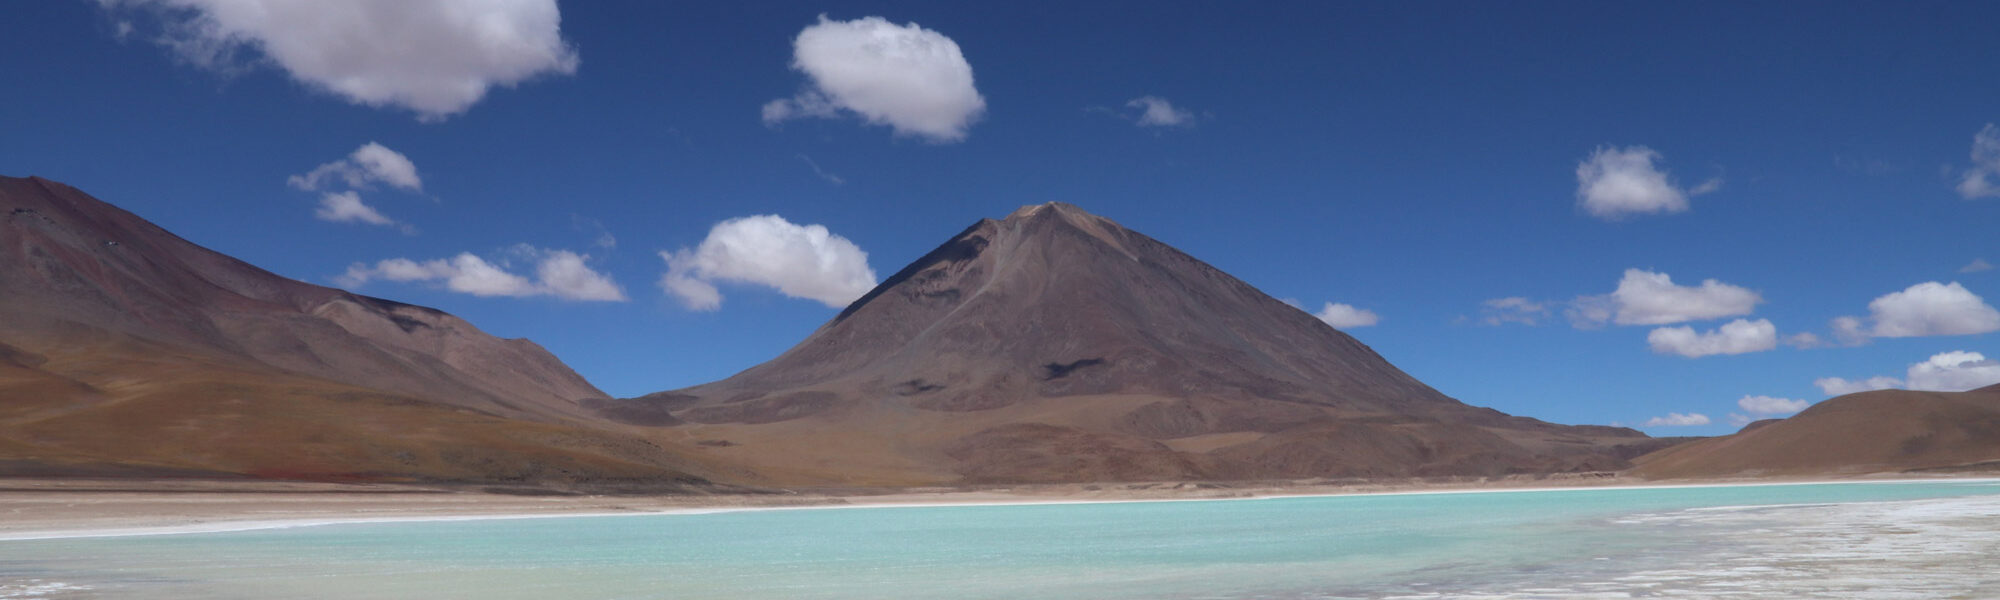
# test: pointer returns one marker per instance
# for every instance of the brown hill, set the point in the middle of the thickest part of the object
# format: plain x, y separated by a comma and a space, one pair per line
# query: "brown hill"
127, 350
1056, 345
1885, 431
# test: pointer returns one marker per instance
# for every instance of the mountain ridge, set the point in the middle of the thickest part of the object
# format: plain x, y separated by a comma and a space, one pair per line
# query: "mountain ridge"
130, 349
145, 281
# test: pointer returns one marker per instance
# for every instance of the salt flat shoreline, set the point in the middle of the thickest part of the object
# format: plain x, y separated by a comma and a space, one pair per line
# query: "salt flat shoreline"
71, 508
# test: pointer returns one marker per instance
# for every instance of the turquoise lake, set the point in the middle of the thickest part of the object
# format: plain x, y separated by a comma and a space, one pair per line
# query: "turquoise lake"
1780, 541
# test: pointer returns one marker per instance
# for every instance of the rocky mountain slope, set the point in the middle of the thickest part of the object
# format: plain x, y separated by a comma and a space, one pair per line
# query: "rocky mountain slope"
126, 349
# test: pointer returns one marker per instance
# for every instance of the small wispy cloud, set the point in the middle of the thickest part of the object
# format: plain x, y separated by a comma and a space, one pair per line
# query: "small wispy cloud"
1769, 405
559, 273
347, 207
1978, 179
600, 236
1836, 386
1804, 341
1513, 309
368, 165
1155, 111
1713, 185
822, 173
1674, 419
1346, 316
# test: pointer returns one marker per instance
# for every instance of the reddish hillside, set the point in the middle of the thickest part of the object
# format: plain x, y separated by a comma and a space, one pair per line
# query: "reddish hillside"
126, 349
1885, 431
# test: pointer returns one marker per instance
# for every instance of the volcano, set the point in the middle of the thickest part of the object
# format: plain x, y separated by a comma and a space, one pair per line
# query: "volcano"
1058, 346
126, 350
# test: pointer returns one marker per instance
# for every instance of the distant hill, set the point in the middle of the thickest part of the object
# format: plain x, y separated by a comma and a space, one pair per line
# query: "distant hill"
1059, 346
126, 350
1884, 431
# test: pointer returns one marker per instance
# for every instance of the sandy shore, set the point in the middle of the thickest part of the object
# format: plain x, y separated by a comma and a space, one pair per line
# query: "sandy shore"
42, 508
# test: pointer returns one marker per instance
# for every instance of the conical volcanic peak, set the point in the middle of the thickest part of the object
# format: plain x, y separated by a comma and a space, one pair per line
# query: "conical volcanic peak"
1055, 301
1066, 319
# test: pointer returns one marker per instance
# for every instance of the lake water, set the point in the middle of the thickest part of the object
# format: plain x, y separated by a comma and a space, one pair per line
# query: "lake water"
1850, 540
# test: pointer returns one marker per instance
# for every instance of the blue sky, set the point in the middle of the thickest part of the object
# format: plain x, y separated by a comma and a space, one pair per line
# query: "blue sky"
1421, 162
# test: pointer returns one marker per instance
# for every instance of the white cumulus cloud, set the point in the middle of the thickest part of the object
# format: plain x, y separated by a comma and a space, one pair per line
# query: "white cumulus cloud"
1735, 337
434, 57
1768, 405
1343, 316
912, 79
563, 274
1616, 184
1674, 419
1924, 309
1954, 371
1978, 181
800, 261
370, 164
465, 273
559, 273
1649, 298
1155, 111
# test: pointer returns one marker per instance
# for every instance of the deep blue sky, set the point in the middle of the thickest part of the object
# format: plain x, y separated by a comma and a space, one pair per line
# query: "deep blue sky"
1410, 159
